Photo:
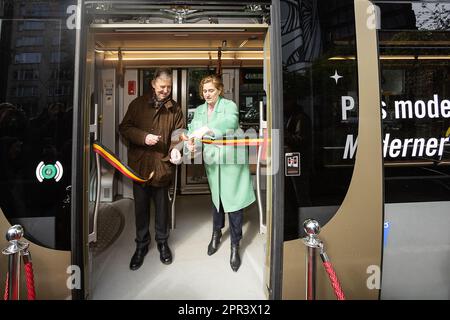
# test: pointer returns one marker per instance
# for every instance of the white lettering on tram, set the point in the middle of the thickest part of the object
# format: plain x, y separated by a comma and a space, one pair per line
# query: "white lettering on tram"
347, 104
394, 148
405, 109
350, 147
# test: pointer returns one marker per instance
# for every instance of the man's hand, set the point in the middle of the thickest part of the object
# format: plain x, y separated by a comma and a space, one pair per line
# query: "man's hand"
175, 156
151, 139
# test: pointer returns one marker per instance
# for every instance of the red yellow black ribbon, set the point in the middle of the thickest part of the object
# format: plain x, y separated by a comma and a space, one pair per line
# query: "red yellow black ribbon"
232, 141
235, 141
115, 162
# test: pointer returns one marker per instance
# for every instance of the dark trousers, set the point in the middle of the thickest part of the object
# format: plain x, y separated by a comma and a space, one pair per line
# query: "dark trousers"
142, 196
235, 218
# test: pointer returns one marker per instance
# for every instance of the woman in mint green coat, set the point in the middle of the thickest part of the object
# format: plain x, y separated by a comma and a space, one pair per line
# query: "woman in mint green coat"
226, 166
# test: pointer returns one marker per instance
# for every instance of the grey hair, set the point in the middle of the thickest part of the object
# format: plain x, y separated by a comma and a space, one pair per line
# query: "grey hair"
162, 73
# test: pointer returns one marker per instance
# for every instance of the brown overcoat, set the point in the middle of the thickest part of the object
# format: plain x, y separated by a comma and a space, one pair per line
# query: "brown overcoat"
144, 116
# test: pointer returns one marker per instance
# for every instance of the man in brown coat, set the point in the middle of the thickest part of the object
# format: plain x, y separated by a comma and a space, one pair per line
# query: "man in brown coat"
148, 126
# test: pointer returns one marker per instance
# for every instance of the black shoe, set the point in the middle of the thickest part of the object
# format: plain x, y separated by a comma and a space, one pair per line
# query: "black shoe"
138, 258
214, 243
235, 259
164, 253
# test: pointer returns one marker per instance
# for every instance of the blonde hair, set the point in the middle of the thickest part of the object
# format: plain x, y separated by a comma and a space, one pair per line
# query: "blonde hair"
216, 81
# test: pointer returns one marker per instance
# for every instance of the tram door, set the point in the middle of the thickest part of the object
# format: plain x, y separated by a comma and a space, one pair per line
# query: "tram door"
332, 124
371, 131
110, 84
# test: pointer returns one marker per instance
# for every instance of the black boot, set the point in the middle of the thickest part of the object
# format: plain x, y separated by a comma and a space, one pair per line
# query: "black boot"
138, 258
235, 259
165, 255
214, 243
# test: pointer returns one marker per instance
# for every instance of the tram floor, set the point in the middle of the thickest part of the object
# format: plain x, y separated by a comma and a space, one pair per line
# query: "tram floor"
193, 274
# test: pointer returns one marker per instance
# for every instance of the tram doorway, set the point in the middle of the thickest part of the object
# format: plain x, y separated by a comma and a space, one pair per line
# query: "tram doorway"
121, 58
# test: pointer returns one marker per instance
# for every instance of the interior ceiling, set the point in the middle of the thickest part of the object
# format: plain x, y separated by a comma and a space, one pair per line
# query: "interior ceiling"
182, 48
177, 40
149, 33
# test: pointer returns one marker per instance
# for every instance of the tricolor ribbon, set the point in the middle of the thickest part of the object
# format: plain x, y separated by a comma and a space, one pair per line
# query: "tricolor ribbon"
115, 162
231, 141
235, 141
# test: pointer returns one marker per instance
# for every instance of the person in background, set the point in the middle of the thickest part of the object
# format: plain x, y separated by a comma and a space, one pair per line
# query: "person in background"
147, 126
230, 181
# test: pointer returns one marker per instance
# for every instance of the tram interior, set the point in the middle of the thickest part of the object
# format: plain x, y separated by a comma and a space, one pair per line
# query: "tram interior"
190, 53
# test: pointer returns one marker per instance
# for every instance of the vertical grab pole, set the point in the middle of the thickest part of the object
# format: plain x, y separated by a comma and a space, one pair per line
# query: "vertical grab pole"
262, 227
97, 197
93, 128
13, 235
262, 127
312, 229
172, 217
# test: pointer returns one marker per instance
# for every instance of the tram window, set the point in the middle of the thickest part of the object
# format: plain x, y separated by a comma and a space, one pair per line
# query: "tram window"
414, 46
36, 97
320, 107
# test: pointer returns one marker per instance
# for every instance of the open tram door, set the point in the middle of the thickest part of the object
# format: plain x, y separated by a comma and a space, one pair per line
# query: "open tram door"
331, 95
142, 22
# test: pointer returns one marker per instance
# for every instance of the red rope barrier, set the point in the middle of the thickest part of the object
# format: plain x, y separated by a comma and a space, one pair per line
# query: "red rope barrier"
5, 296
17, 251
334, 281
31, 293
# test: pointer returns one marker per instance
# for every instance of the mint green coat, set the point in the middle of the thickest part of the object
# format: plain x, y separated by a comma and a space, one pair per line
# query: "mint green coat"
226, 166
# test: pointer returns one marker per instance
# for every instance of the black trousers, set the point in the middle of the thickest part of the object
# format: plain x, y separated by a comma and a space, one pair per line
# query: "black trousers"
142, 196
235, 218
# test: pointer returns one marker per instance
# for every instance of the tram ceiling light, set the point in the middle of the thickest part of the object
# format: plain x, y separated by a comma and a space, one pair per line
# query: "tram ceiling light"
182, 56
168, 54
170, 30
178, 49
171, 58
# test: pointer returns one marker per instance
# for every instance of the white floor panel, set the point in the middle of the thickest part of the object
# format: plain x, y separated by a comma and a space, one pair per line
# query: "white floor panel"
193, 274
